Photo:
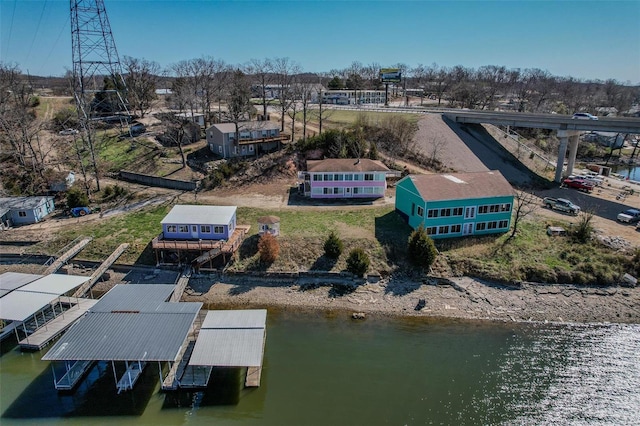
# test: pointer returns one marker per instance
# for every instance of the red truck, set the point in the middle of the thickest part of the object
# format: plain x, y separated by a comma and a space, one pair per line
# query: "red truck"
579, 184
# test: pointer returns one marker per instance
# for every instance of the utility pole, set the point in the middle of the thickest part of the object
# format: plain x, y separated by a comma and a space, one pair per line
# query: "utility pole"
98, 86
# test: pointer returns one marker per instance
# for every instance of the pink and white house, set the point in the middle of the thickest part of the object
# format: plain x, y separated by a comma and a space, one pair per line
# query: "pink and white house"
344, 178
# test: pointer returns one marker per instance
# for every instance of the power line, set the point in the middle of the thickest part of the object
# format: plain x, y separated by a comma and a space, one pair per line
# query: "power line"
35, 34
63, 28
13, 13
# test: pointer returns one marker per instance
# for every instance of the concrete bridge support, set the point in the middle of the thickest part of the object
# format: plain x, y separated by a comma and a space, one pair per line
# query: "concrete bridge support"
568, 138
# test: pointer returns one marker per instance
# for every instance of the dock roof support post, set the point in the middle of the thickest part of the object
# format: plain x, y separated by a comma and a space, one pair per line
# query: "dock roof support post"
115, 376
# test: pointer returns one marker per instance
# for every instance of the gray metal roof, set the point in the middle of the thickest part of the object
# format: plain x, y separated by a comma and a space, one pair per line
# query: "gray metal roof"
244, 126
56, 284
125, 336
134, 297
188, 214
246, 318
233, 338
20, 305
13, 280
23, 203
25, 301
229, 348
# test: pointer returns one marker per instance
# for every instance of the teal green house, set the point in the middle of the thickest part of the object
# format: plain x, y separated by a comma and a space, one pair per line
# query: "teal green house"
456, 204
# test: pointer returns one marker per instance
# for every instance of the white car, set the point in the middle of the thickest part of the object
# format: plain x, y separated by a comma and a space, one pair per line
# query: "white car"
629, 216
67, 132
584, 116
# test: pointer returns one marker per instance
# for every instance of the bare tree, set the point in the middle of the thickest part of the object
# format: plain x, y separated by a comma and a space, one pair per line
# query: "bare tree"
436, 146
262, 72
525, 204
141, 78
238, 101
284, 72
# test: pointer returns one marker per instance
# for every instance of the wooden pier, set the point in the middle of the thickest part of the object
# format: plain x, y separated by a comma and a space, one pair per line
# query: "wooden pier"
52, 329
69, 254
84, 288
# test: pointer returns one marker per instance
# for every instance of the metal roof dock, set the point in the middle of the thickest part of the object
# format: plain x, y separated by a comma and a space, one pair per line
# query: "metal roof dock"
132, 324
233, 338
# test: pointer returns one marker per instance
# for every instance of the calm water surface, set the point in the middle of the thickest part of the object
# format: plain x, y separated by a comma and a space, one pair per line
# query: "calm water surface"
329, 370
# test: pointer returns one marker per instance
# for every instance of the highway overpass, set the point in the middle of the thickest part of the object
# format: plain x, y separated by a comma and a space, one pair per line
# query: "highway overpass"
568, 128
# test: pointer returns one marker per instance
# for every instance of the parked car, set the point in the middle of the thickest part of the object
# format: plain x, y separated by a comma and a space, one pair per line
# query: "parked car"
561, 204
67, 132
629, 216
578, 183
584, 116
596, 180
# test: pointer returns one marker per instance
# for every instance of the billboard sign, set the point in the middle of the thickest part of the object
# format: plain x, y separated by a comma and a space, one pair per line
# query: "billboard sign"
390, 75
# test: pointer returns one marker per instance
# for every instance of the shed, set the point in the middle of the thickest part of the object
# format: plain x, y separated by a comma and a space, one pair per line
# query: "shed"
269, 225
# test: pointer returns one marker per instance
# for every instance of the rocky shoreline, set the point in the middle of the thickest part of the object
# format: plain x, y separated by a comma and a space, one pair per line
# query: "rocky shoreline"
456, 298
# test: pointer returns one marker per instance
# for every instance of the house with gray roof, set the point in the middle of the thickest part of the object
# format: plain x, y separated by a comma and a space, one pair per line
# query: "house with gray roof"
24, 210
252, 138
456, 204
187, 222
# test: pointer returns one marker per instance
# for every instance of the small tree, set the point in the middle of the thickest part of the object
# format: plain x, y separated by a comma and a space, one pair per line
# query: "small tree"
525, 204
421, 250
268, 248
358, 262
76, 198
333, 246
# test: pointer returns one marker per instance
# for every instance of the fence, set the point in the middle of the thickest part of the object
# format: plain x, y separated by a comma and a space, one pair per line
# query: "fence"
159, 181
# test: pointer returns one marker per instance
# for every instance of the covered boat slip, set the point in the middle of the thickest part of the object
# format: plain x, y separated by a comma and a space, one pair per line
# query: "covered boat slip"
233, 338
32, 300
131, 325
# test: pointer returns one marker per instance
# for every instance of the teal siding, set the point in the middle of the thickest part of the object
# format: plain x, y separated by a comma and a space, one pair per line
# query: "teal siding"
454, 218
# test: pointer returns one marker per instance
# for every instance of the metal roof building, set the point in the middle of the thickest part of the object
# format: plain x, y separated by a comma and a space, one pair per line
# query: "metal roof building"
10, 281
131, 323
26, 300
231, 339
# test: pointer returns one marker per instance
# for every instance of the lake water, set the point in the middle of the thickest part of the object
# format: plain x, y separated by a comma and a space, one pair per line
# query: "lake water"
631, 172
326, 369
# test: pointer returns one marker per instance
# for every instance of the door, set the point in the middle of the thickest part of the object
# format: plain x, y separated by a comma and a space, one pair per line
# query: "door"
467, 228
470, 212
194, 232
347, 192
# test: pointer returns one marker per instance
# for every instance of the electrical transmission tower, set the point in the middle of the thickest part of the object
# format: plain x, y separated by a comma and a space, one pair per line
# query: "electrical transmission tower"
98, 85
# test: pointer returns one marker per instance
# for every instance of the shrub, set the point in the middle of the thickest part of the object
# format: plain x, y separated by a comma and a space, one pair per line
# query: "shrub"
76, 198
268, 248
584, 228
333, 246
421, 250
358, 262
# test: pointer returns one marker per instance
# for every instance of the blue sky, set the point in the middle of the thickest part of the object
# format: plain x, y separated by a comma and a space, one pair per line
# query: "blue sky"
583, 39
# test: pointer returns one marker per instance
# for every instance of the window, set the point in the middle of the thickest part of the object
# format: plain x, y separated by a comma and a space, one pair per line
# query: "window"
420, 211
218, 229
220, 149
431, 230
443, 229
483, 209
250, 148
457, 211
492, 225
328, 177
183, 228
368, 176
326, 191
205, 229
348, 176
494, 208
316, 191
338, 177
337, 190
481, 226
503, 224
432, 213
357, 177
356, 190
171, 228
505, 207
445, 212
455, 229
368, 190
22, 214
317, 178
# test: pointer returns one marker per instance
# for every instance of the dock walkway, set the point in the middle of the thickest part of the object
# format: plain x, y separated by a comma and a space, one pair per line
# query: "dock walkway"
52, 329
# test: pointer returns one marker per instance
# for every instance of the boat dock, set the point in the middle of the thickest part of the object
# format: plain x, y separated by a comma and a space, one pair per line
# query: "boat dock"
52, 329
